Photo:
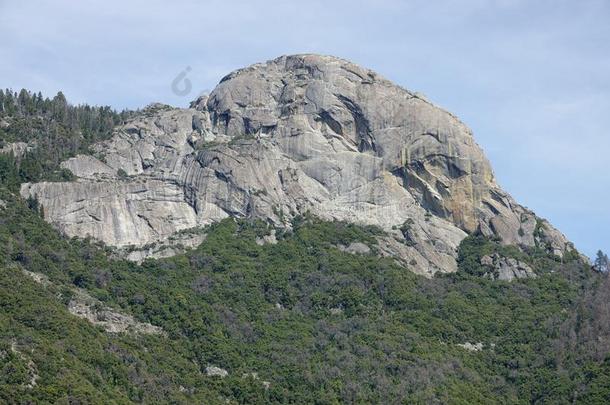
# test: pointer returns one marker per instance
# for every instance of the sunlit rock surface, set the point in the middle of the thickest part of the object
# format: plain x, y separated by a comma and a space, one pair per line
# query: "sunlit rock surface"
295, 134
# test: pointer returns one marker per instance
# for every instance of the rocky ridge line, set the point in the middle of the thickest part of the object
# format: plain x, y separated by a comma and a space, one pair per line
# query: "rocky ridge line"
301, 133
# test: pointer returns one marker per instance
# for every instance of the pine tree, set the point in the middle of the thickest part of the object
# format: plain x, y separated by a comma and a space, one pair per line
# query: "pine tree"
602, 263
60, 107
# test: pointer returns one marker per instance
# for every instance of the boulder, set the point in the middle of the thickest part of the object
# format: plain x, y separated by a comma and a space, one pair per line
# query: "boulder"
213, 371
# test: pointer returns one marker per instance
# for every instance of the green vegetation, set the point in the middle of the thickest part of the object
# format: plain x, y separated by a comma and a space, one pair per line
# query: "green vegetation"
474, 247
54, 131
322, 326
319, 324
602, 263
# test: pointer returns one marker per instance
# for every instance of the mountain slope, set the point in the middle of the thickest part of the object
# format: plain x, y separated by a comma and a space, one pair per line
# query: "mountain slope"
282, 302
318, 324
297, 134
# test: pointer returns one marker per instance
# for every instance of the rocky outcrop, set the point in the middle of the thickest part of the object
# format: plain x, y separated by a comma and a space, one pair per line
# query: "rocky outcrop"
355, 248
213, 371
506, 268
175, 244
295, 134
17, 149
267, 239
93, 310
471, 347
85, 306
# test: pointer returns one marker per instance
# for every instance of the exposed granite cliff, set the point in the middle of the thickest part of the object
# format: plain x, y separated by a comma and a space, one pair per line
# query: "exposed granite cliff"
295, 134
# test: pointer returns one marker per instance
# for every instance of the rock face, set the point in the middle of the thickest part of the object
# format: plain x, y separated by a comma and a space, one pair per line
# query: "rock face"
506, 268
298, 133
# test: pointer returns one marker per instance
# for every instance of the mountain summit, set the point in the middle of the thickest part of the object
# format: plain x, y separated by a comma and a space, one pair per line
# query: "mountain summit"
297, 134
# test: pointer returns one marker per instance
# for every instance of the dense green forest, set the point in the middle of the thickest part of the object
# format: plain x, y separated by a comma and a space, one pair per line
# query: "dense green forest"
313, 323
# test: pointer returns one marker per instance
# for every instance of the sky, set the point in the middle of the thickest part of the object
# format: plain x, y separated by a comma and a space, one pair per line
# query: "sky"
531, 78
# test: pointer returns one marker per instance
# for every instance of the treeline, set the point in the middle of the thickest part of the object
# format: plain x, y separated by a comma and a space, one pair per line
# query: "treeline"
53, 129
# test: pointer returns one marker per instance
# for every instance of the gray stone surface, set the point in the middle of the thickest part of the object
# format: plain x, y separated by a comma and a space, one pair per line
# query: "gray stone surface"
175, 244
213, 371
507, 268
356, 248
471, 347
88, 167
295, 134
18, 149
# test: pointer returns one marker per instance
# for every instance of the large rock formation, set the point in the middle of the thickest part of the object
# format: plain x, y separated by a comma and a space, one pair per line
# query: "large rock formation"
295, 134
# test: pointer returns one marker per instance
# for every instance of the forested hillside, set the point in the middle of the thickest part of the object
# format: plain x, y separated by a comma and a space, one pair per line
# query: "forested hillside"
299, 321
318, 324
48, 131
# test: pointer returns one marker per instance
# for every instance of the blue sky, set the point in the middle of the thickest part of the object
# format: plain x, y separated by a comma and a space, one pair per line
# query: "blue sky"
531, 78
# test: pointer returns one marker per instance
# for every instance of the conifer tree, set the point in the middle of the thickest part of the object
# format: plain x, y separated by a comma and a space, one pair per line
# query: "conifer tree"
602, 263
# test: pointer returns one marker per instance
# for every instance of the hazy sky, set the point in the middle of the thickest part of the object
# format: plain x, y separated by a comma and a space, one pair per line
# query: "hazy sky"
531, 78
